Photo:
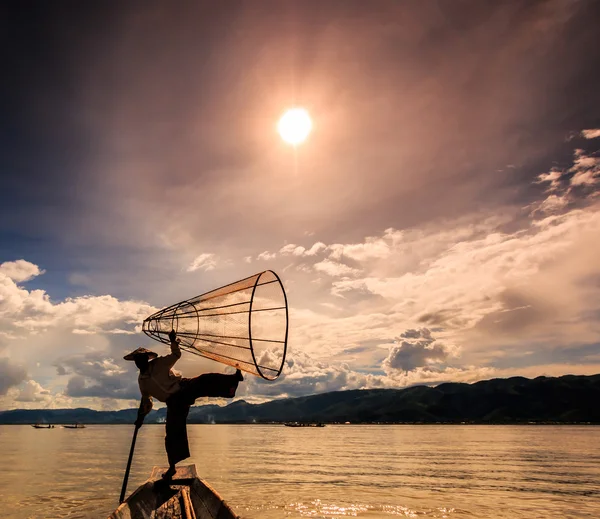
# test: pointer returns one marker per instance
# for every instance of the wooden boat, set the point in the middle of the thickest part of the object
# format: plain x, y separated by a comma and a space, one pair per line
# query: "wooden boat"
184, 497
42, 426
74, 426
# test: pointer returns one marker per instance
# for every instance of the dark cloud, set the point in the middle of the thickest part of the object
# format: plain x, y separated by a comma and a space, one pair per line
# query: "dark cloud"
96, 375
10, 375
61, 370
180, 106
437, 318
137, 137
303, 375
415, 349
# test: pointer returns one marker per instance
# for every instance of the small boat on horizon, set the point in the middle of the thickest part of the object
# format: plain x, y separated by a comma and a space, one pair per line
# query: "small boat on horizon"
74, 426
42, 426
303, 424
185, 496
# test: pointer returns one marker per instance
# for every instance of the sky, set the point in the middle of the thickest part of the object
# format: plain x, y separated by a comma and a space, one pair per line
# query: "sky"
441, 222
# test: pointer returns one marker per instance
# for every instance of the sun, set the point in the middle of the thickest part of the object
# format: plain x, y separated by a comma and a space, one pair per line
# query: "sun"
294, 126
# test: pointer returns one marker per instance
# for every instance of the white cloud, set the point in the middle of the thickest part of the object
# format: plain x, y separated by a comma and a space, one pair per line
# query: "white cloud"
20, 270
467, 280
303, 375
31, 391
290, 248
586, 169
551, 205
32, 395
335, 269
34, 311
483, 284
553, 177
315, 249
299, 250
372, 248
591, 134
266, 256
204, 262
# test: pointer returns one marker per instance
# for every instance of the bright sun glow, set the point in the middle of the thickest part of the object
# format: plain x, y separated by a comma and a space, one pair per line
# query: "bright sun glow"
294, 126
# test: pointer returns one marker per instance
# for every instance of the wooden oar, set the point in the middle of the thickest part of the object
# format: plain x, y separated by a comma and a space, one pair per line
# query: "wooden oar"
124, 487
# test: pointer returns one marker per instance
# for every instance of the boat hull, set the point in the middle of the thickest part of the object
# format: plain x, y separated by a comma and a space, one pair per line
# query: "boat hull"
185, 497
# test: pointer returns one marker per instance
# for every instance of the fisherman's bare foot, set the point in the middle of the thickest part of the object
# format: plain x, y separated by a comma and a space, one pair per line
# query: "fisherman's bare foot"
168, 475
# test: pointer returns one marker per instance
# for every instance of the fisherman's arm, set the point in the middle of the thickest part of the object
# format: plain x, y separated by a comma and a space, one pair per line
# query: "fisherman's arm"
144, 409
175, 354
175, 349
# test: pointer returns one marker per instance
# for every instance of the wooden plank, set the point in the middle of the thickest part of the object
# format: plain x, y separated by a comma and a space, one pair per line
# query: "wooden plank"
186, 504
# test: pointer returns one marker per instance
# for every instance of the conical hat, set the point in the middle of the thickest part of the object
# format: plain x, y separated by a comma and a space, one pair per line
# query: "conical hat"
140, 351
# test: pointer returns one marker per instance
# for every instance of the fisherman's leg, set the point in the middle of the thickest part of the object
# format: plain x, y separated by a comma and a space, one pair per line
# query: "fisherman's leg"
211, 384
176, 440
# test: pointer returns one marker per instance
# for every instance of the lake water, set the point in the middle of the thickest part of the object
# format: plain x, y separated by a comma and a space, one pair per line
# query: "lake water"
271, 471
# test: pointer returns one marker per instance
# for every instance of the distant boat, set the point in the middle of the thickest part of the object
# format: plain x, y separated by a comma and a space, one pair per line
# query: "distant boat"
74, 426
186, 496
301, 424
42, 426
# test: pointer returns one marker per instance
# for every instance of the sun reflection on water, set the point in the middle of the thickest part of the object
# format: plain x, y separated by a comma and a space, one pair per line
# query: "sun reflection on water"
272, 472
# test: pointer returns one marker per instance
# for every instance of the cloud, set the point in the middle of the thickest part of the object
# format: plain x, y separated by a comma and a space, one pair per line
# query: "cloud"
415, 349
266, 256
20, 270
96, 375
303, 375
458, 250
204, 262
10, 375
553, 177
33, 392
87, 331
32, 310
591, 134
32, 395
486, 282
553, 204
585, 171
335, 269
372, 248
299, 250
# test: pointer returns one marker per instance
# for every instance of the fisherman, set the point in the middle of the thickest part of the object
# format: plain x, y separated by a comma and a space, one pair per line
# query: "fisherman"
158, 380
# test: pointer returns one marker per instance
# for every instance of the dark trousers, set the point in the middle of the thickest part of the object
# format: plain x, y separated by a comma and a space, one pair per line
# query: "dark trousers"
178, 408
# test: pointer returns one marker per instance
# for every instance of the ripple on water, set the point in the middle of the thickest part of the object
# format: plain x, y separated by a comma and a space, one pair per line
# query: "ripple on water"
269, 472
326, 510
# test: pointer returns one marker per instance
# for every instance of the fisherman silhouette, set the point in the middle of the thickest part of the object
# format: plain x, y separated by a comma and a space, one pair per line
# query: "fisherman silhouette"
158, 380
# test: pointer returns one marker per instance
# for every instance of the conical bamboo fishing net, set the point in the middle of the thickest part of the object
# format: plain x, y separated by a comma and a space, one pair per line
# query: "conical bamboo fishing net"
244, 324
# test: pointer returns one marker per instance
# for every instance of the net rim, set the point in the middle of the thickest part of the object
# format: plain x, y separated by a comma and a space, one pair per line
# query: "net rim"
256, 364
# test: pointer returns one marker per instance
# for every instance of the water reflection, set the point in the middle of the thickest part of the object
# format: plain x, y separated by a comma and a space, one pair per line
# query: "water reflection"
270, 472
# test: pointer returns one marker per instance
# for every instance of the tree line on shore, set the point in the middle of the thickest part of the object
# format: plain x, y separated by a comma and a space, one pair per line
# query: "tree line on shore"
566, 399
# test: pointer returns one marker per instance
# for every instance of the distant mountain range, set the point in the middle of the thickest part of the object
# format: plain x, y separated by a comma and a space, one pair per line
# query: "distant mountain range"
567, 399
